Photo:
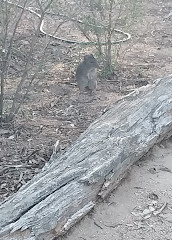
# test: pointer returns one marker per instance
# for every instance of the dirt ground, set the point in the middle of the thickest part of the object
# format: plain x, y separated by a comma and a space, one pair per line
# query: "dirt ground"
54, 111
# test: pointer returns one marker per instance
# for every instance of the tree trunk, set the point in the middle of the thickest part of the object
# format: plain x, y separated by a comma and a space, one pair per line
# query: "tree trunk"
69, 186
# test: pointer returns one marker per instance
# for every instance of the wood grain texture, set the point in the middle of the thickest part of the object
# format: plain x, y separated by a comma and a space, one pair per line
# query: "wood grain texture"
69, 186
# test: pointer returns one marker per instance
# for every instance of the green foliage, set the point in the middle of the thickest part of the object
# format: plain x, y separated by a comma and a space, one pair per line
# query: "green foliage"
106, 72
101, 18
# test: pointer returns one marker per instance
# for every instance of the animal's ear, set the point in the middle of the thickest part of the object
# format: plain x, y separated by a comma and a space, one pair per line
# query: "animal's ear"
86, 57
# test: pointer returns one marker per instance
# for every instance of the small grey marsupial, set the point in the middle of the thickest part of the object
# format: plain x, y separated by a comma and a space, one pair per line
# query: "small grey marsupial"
86, 74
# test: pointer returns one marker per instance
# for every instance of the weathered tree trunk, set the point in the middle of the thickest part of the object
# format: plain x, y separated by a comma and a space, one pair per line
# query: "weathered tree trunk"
68, 188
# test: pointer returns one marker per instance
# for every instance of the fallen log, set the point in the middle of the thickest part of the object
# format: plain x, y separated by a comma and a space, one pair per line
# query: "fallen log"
70, 185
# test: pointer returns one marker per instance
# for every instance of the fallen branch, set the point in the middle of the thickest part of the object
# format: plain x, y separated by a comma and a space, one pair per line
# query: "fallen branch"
69, 187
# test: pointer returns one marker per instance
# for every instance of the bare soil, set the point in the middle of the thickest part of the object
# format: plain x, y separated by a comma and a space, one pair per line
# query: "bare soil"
55, 111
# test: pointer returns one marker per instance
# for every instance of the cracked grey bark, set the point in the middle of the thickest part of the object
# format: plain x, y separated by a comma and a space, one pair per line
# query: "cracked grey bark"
68, 188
